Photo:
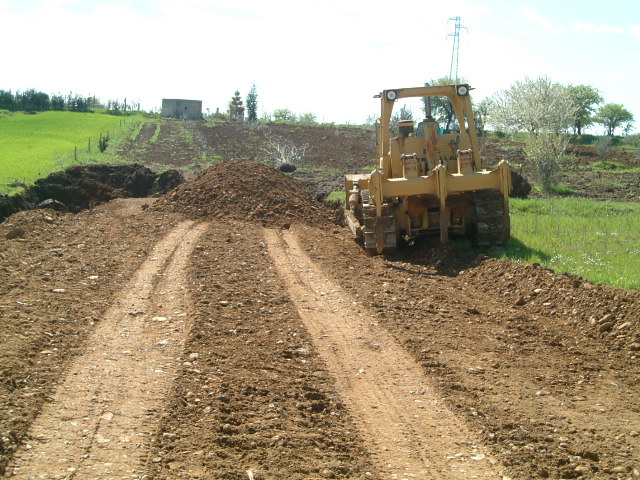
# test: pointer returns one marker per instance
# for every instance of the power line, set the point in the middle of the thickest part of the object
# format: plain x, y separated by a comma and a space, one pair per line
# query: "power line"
456, 47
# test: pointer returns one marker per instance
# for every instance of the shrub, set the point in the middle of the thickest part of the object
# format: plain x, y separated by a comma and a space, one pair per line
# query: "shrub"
603, 145
545, 151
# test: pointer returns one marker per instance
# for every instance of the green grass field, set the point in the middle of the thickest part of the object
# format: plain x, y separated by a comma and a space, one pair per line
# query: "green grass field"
32, 146
597, 240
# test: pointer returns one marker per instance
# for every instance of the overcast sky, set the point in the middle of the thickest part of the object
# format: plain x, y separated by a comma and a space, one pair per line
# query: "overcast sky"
327, 57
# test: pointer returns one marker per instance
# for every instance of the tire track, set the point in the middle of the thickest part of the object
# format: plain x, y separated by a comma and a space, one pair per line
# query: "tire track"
408, 429
104, 414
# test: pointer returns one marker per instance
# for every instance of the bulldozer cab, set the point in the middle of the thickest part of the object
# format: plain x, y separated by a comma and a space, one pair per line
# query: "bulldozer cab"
426, 142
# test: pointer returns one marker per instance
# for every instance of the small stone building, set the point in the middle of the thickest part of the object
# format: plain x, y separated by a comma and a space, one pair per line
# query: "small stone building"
178, 108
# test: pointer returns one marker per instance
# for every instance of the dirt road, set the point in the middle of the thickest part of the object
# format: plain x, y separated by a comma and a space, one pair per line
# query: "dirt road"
100, 421
409, 430
147, 345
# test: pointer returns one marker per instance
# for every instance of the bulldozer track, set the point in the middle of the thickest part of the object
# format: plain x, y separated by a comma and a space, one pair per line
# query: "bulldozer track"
102, 418
408, 429
491, 221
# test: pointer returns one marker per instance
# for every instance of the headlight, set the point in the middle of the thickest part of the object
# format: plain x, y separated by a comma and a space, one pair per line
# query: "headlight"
392, 95
463, 90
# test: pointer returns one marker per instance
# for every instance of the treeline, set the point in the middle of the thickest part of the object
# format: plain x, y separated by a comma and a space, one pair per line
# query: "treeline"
32, 100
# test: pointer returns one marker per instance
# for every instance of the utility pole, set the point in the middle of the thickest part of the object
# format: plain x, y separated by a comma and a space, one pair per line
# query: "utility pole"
456, 48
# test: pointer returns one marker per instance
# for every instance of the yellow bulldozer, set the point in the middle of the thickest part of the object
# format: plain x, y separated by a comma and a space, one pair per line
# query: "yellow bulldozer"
428, 181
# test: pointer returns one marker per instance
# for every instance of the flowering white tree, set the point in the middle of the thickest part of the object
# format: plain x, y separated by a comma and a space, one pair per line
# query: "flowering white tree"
545, 111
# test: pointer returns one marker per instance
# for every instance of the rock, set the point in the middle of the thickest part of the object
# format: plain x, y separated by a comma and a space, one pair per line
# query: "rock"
193, 356
538, 291
520, 301
624, 325
606, 319
170, 436
605, 327
619, 470
223, 303
589, 455
226, 428
58, 290
634, 347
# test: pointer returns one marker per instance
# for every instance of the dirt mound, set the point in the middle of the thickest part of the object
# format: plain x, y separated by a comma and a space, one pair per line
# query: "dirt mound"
84, 186
521, 186
608, 313
246, 191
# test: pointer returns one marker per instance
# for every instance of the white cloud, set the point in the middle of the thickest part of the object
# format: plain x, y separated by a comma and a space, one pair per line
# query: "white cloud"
541, 21
634, 30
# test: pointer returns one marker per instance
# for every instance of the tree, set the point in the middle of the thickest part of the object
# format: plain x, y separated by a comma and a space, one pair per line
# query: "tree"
533, 106
405, 113
481, 112
236, 108
612, 116
307, 118
545, 111
252, 104
282, 151
32, 100
585, 99
284, 115
7, 100
57, 102
441, 107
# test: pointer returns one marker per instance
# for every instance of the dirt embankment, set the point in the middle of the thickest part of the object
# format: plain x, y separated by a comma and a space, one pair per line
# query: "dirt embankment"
85, 186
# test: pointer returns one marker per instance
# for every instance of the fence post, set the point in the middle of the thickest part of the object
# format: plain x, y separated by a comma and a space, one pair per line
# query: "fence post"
75, 153
89, 147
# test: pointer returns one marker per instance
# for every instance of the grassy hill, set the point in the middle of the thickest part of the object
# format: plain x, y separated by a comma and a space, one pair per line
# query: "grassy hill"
34, 145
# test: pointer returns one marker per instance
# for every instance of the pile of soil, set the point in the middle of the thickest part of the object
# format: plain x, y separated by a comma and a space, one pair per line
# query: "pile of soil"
84, 186
246, 191
599, 311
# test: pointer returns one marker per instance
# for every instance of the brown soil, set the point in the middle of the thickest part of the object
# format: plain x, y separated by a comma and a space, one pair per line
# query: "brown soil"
246, 191
581, 171
192, 146
84, 186
145, 345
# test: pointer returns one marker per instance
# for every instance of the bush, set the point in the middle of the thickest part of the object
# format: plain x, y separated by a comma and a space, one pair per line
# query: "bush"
603, 145
545, 150
103, 142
